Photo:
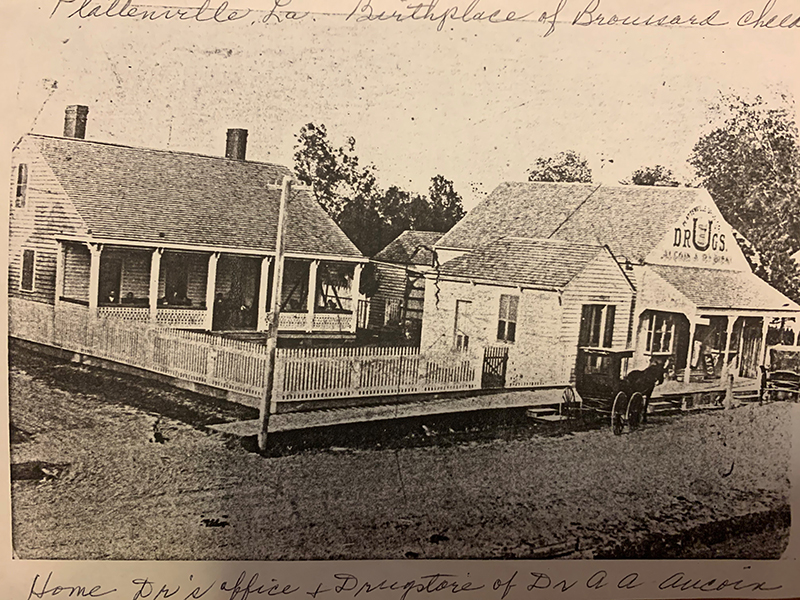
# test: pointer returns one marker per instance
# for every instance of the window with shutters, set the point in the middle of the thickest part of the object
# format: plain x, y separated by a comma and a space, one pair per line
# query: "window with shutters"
507, 319
27, 276
660, 333
21, 194
597, 326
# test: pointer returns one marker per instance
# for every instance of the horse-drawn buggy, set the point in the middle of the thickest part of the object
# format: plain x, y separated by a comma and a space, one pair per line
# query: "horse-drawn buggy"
780, 378
599, 382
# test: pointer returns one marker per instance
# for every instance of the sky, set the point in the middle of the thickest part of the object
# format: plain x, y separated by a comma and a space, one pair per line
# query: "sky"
475, 102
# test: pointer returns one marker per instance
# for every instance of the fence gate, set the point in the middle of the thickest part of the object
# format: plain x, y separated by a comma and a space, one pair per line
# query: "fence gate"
495, 360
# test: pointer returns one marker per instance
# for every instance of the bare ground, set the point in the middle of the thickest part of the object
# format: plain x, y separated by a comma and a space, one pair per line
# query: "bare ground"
398, 490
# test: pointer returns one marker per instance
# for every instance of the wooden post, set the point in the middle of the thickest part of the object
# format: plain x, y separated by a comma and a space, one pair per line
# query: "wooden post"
687, 376
60, 249
311, 301
764, 331
155, 271
356, 297
211, 290
728, 336
265, 406
263, 292
94, 277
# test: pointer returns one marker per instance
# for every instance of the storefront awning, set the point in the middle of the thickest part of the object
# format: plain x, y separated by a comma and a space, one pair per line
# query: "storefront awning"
726, 291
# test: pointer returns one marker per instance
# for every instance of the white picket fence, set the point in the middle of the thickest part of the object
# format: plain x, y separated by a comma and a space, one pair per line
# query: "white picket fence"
321, 373
300, 374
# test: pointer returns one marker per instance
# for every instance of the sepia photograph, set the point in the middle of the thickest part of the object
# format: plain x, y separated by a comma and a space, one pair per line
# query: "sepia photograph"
400, 281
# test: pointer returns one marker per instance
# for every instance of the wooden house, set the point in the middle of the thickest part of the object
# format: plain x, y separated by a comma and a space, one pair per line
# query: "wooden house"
696, 302
400, 270
172, 238
529, 303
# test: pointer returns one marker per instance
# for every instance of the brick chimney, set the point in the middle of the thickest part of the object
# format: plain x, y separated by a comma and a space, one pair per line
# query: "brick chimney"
75, 121
237, 144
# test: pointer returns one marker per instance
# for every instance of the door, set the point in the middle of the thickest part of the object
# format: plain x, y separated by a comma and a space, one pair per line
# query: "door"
110, 280
462, 328
495, 361
751, 349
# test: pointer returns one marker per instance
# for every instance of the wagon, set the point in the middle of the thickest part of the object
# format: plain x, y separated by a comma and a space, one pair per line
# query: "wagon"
598, 381
780, 380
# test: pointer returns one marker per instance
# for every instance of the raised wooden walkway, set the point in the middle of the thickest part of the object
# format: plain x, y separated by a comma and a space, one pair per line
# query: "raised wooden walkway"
422, 407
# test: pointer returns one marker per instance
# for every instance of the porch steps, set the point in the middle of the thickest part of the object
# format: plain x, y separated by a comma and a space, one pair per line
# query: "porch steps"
548, 414
747, 396
662, 407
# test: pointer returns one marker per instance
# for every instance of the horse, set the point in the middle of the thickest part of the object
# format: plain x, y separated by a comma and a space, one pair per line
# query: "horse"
644, 382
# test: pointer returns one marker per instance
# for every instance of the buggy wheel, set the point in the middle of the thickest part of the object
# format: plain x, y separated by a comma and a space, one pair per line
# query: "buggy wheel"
617, 413
567, 402
635, 410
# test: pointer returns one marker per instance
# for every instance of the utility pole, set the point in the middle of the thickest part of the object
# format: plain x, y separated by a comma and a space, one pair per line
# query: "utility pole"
265, 406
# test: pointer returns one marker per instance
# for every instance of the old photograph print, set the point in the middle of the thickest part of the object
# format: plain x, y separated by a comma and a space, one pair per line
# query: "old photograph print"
291, 285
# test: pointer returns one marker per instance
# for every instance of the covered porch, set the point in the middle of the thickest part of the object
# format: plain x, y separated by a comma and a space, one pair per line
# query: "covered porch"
206, 289
706, 325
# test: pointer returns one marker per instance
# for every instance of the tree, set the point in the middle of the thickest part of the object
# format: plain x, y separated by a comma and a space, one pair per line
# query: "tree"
565, 166
658, 175
334, 174
349, 192
750, 164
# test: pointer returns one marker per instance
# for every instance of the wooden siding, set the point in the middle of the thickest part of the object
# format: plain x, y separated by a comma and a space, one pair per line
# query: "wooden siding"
391, 285
135, 271
48, 212
76, 272
533, 358
197, 268
601, 282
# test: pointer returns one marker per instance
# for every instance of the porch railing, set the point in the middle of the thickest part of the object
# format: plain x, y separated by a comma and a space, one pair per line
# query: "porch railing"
241, 366
320, 373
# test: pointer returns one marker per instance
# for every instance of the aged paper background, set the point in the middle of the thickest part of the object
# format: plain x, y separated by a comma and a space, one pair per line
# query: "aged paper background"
477, 102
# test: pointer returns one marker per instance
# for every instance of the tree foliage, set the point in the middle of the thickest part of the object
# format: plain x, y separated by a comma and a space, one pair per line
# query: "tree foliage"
658, 175
369, 216
566, 166
750, 164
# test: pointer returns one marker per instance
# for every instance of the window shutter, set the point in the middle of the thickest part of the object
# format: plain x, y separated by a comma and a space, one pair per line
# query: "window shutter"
28, 263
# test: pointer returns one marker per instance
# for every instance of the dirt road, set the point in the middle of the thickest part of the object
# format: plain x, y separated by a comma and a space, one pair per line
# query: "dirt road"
109, 491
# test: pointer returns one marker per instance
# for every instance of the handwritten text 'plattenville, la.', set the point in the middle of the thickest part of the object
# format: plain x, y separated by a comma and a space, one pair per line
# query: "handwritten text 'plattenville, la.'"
766, 16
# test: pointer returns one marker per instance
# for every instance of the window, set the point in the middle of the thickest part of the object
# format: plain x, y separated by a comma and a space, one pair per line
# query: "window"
597, 326
176, 280
391, 312
507, 320
22, 186
660, 333
28, 270
461, 341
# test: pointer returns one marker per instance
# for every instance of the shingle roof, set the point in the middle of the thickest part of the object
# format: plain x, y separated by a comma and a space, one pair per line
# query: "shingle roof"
157, 196
712, 288
631, 220
537, 263
410, 248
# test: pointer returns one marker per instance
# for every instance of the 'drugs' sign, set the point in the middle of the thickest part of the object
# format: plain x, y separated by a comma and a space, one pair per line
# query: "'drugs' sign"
703, 239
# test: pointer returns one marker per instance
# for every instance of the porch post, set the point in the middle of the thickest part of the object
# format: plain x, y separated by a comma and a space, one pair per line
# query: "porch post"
263, 292
312, 294
356, 297
211, 290
728, 336
60, 249
94, 277
155, 271
764, 330
687, 375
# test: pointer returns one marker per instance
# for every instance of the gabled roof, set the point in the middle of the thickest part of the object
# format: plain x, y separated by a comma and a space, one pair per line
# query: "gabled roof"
157, 196
410, 248
630, 219
536, 263
715, 289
